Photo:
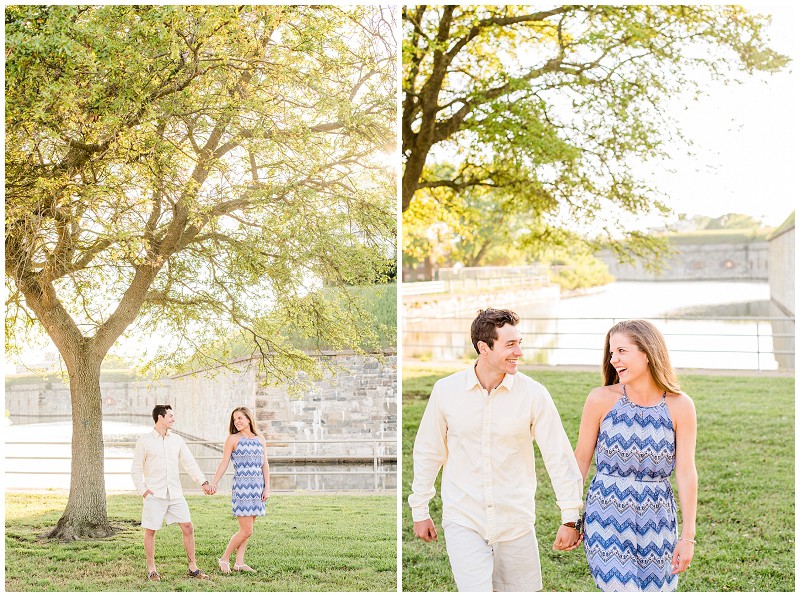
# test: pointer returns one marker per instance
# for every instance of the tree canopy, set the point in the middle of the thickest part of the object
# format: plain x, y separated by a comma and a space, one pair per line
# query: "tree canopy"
188, 167
181, 171
555, 109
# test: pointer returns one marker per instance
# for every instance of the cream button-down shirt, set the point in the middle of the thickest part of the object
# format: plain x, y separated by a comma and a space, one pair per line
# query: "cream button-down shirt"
484, 442
155, 464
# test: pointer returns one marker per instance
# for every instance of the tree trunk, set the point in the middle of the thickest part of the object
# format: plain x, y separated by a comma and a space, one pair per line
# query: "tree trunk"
85, 515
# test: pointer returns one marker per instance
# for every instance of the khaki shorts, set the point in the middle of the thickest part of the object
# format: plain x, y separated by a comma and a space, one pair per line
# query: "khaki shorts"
155, 510
505, 566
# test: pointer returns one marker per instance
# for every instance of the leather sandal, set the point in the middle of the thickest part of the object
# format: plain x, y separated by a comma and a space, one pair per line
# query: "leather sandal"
224, 566
242, 568
154, 576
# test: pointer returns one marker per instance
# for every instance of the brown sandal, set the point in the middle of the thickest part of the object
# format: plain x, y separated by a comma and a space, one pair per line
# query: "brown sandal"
154, 576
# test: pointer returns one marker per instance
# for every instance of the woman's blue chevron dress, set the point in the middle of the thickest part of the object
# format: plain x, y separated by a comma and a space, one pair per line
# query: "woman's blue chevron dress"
248, 478
631, 523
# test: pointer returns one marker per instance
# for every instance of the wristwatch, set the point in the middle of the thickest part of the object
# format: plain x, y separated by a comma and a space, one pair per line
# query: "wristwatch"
577, 525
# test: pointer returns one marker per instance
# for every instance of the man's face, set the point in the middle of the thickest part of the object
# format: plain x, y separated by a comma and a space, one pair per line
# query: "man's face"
505, 354
168, 420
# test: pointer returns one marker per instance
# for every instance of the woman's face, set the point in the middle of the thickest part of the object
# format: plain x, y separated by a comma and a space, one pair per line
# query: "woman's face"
626, 357
240, 421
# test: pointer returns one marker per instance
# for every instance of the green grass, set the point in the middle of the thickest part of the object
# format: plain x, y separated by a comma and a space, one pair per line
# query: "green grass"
745, 463
305, 543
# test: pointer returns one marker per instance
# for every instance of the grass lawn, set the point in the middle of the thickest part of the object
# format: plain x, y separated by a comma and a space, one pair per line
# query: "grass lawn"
305, 543
745, 463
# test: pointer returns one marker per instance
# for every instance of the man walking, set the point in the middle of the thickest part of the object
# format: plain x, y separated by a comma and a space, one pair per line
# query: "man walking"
479, 425
156, 477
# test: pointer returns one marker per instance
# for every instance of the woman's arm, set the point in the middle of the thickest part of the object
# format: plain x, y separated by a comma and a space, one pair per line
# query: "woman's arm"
589, 430
230, 446
265, 469
685, 421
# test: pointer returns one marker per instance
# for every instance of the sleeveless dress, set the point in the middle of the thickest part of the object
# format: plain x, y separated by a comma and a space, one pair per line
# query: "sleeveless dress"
631, 523
248, 478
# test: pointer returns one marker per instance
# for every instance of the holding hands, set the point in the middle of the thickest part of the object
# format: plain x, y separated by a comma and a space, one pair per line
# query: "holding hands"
567, 538
209, 488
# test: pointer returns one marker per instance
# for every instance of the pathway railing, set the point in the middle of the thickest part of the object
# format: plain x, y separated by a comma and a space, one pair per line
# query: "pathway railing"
380, 460
766, 340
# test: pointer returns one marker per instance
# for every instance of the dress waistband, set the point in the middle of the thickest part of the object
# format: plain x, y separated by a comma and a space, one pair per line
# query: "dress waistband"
634, 478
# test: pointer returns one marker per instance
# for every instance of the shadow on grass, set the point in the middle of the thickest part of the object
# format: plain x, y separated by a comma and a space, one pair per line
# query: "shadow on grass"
305, 543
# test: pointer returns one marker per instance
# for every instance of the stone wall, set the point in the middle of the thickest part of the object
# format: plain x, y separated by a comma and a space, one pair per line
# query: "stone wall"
358, 401
41, 402
719, 261
327, 439
781, 270
782, 295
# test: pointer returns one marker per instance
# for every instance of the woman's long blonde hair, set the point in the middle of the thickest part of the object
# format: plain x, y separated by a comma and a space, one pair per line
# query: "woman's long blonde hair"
250, 417
650, 341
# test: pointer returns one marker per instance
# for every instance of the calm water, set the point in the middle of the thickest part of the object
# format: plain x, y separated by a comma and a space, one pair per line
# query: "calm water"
572, 330
694, 343
44, 463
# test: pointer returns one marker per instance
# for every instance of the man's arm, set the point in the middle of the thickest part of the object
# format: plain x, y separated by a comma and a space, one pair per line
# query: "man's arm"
430, 453
559, 460
190, 465
137, 468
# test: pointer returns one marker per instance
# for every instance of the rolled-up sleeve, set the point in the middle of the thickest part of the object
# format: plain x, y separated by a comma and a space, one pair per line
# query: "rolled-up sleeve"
189, 464
558, 456
430, 454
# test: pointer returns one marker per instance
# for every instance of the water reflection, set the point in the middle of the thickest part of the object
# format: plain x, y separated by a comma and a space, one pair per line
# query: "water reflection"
38, 456
572, 330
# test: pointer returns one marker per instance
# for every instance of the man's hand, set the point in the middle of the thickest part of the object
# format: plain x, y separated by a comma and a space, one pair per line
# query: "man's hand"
567, 539
425, 530
208, 489
147, 491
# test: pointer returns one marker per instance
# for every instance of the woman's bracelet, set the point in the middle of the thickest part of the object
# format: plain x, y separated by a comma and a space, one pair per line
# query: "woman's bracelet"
687, 539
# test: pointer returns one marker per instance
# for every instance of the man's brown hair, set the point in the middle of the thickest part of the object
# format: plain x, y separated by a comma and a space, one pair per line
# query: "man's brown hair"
160, 410
484, 327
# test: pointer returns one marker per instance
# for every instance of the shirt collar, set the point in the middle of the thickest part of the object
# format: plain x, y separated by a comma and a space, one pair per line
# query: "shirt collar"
472, 379
157, 434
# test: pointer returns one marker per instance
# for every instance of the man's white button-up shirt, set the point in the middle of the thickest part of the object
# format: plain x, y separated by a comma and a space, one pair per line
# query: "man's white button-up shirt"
484, 442
155, 464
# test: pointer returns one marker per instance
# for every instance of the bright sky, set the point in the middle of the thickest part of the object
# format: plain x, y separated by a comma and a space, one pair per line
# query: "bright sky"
745, 138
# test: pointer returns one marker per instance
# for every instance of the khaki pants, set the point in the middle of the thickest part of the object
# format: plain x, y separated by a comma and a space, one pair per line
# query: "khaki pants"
505, 566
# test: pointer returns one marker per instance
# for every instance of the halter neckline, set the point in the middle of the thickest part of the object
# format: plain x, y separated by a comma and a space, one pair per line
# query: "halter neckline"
626, 397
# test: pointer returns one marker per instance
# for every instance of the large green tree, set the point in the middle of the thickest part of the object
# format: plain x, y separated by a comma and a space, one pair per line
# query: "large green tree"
558, 107
178, 171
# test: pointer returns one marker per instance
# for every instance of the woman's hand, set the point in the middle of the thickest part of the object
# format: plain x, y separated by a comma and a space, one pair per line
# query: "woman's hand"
682, 556
265, 494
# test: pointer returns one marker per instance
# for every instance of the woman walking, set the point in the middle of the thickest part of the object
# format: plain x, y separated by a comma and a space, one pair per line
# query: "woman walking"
641, 427
247, 448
